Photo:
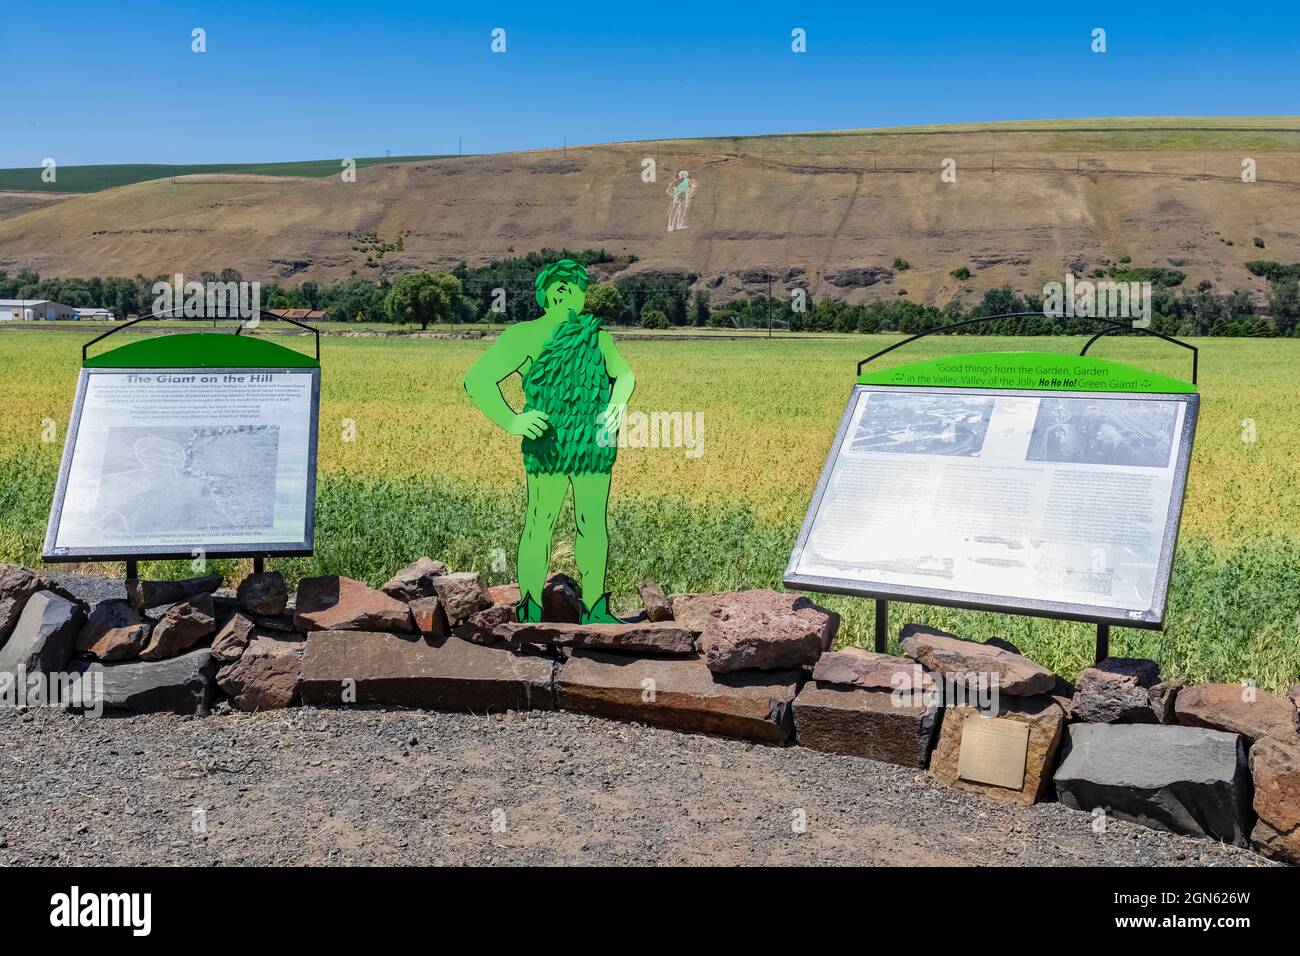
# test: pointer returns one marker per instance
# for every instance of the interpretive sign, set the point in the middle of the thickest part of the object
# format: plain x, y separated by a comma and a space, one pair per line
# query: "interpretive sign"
174, 462
1057, 503
993, 751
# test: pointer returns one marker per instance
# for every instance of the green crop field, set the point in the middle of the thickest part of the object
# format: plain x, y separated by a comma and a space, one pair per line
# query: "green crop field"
90, 179
427, 474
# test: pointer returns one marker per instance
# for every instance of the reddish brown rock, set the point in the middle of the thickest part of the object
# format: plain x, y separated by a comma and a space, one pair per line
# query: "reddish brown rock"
461, 594
481, 626
504, 594
265, 676
106, 616
415, 580
17, 584
263, 593
1045, 719
855, 667
341, 667
695, 610
119, 643
181, 628
1275, 768
648, 637
1237, 709
954, 657
680, 693
763, 629
840, 719
336, 603
657, 606
231, 640
145, 594
430, 618
1116, 691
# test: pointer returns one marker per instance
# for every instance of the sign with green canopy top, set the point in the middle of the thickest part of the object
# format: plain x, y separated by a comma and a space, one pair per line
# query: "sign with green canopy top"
1022, 482
186, 445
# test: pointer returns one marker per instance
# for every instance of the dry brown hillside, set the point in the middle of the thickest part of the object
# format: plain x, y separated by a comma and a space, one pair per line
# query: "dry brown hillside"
829, 210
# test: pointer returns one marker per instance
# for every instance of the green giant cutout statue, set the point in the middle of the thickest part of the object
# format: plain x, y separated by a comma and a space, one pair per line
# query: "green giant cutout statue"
576, 388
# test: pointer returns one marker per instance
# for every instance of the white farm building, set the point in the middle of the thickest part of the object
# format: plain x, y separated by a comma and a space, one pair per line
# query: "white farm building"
35, 310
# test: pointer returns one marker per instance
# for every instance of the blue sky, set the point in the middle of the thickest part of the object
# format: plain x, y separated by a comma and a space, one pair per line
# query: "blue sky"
107, 82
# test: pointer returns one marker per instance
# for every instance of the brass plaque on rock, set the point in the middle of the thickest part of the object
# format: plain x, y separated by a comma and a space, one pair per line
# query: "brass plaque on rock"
993, 751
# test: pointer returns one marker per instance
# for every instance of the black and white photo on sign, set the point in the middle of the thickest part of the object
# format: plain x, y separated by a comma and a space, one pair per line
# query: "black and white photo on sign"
923, 425
179, 479
1132, 431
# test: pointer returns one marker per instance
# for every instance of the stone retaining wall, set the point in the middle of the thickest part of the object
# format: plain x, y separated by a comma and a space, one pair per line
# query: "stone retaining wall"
1220, 761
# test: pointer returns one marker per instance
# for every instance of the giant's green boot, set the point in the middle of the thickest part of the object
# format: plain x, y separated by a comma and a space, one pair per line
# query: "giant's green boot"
598, 613
528, 611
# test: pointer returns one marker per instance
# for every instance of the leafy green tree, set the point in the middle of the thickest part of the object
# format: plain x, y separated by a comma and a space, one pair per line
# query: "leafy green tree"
1284, 303
653, 319
423, 298
664, 291
700, 308
830, 315
345, 301
605, 301
726, 316
672, 306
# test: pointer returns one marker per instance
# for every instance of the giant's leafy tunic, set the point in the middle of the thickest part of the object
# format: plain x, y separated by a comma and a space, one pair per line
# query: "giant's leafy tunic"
570, 383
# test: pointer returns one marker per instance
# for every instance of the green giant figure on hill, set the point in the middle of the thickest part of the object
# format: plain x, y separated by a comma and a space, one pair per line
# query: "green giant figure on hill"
576, 388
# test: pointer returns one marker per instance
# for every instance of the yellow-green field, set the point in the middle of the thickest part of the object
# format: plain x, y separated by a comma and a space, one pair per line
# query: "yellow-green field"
426, 473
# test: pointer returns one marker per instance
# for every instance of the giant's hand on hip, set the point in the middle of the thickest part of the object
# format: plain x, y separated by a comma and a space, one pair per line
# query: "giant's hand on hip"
529, 424
611, 420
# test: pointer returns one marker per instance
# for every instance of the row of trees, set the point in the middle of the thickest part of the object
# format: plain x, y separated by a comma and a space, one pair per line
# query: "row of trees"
503, 292
1199, 312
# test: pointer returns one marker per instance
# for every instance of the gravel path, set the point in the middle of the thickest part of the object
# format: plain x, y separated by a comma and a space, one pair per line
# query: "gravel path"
364, 786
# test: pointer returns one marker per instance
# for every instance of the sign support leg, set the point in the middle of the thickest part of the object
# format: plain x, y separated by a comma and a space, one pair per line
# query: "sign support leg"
882, 625
132, 570
1103, 642
259, 564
